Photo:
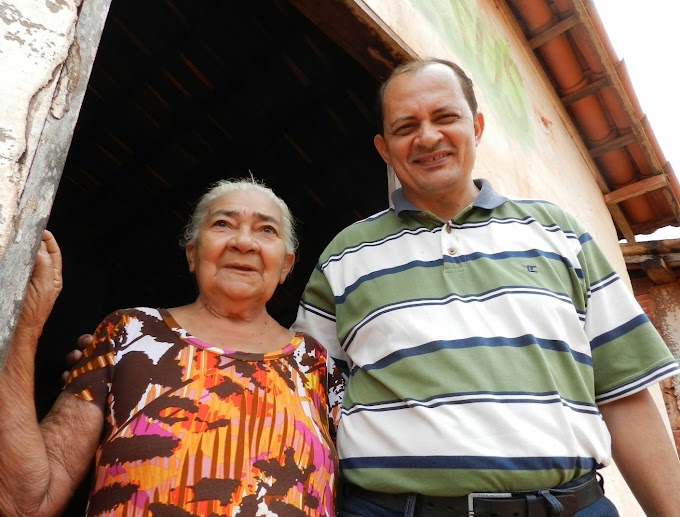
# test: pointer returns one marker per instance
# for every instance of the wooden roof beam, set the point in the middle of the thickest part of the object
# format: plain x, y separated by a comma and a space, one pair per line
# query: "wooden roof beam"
612, 145
584, 92
657, 269
554, 31
621, 222
636, 189
662, 247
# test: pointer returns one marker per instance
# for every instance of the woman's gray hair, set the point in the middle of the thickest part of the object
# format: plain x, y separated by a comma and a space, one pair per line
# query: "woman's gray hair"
238, 185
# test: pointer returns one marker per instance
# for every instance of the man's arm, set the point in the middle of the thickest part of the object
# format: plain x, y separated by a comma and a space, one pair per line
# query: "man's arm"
644, 453
41, 464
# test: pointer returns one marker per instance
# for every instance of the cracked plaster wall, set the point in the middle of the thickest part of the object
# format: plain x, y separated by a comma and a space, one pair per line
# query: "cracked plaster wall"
35, 39
664, 301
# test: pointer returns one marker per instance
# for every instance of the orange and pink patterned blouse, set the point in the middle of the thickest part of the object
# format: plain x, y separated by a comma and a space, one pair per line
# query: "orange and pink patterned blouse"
194, 430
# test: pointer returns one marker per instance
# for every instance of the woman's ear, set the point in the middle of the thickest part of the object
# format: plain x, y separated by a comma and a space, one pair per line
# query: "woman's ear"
288, 263
189, 250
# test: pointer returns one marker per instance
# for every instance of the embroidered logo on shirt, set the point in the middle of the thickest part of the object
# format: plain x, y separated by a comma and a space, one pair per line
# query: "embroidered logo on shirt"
531, 268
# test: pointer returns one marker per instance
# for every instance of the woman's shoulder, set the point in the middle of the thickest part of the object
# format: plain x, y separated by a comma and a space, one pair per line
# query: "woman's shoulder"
130, 316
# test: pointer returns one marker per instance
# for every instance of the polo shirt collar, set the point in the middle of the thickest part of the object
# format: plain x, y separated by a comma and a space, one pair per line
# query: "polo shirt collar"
487, 198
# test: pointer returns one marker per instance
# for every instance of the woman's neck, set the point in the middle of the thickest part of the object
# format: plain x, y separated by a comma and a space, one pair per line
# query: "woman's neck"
248, 331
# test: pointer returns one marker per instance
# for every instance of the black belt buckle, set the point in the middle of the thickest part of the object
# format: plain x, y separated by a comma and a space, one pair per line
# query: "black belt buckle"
484, 495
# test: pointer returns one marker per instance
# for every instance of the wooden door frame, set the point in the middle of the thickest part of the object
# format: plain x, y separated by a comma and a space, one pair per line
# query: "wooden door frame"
353, 26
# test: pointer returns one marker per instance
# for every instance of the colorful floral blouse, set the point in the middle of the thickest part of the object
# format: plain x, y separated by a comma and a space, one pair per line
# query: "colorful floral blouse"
194, 430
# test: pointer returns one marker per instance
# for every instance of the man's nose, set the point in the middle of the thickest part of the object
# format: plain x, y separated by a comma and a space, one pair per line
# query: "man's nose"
428, 135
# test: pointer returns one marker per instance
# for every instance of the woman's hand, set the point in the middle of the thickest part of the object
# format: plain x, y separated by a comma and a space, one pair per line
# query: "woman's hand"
44, 286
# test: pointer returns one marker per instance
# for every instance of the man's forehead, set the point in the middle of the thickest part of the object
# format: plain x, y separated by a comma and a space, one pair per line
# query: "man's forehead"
430, 76
433, 99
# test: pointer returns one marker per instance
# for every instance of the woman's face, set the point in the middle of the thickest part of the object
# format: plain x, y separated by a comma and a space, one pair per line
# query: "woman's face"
240, 254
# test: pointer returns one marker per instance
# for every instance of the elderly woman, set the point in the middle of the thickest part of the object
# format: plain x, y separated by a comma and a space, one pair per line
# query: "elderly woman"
211, 408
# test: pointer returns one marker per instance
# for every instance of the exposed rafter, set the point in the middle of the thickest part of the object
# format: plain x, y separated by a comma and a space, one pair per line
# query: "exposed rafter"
637, 183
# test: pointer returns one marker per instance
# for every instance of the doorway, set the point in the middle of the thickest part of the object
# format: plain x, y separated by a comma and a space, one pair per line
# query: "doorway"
182, 94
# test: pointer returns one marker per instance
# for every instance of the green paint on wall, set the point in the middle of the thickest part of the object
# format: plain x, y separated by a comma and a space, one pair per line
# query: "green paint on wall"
463, 28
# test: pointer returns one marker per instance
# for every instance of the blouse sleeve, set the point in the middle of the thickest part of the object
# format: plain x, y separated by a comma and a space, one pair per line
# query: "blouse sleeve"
91, 376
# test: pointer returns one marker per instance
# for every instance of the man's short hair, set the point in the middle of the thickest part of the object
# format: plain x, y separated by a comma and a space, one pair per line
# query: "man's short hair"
418, 64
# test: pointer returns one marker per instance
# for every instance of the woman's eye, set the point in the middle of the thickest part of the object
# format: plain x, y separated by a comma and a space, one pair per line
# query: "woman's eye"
269, 229
220, 223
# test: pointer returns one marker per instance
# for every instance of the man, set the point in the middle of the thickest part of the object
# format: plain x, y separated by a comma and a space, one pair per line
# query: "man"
489, 344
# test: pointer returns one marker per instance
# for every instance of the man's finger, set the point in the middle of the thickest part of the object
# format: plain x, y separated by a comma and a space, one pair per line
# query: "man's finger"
74, 356
84, 341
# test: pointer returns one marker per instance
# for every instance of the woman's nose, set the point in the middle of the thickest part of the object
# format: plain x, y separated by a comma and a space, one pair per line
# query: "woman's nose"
243, 240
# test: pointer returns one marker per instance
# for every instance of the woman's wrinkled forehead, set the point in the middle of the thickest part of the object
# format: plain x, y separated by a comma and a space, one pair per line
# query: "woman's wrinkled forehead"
246, 203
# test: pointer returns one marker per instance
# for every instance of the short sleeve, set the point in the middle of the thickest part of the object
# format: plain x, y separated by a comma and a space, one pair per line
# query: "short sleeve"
91, 376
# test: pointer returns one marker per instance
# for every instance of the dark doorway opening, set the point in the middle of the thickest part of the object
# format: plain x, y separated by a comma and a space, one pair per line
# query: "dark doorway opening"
184, 93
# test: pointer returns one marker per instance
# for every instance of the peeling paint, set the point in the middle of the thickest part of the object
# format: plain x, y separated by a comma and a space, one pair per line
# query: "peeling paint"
68, 82
9, 14
56, 6
13, 36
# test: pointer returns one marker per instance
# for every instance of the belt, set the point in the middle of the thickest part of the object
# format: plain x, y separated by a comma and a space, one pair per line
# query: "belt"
553, 502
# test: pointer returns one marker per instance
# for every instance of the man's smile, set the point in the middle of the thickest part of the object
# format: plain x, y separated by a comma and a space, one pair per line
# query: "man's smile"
431, 158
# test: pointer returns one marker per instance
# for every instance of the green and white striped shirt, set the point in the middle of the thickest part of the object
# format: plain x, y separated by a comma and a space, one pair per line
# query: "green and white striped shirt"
478, 348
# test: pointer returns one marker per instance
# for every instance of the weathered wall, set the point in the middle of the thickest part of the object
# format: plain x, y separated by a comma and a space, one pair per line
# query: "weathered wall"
35, 40
667, 319
530, 147
662, 305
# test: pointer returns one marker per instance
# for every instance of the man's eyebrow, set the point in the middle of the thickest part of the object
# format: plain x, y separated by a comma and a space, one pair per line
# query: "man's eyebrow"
233, 213
447, 107
401, 120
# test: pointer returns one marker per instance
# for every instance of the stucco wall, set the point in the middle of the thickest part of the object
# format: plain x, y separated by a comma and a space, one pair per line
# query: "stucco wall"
662, 305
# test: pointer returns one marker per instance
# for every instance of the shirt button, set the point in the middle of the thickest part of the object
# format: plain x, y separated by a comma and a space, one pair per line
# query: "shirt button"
448, 228
452, 250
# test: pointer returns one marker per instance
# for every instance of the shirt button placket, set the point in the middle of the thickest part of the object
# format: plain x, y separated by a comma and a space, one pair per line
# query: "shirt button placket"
449, 238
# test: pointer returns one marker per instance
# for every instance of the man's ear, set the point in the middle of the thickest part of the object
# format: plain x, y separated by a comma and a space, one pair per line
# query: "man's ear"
381, 146
189, 250
288, 263
479, 127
